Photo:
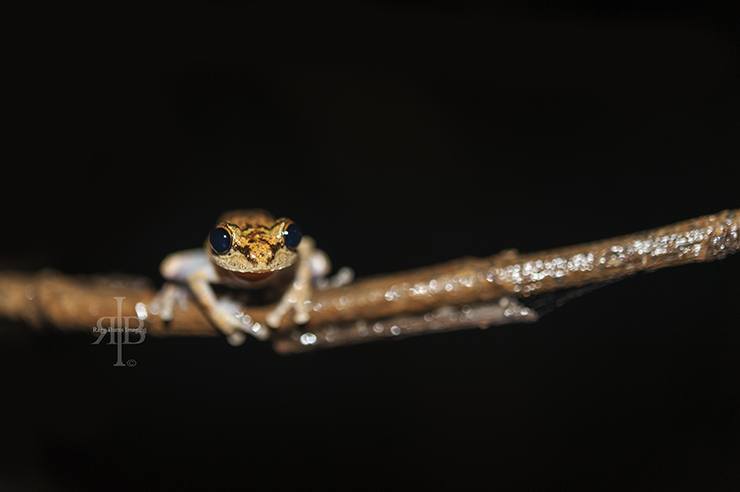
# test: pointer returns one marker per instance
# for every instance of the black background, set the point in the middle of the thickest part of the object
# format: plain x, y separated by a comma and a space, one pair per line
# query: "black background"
398, 136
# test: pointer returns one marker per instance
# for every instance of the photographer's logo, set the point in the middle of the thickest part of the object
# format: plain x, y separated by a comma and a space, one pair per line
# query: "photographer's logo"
120, 331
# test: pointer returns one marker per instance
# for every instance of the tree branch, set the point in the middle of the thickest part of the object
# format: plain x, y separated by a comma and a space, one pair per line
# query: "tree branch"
477, 284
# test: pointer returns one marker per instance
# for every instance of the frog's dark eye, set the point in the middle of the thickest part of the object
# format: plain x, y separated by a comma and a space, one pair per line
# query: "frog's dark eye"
292, 236
220, 240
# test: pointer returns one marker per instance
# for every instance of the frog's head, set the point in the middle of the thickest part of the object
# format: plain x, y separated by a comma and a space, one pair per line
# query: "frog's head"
254, 250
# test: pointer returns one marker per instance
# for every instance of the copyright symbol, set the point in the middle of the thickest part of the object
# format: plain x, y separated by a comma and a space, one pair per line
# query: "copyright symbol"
131, 362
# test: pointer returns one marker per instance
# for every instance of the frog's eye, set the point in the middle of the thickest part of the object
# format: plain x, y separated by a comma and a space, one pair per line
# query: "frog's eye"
292, 235
220, 240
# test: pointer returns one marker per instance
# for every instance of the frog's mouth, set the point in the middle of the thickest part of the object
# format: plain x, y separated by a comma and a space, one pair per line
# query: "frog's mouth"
249, 276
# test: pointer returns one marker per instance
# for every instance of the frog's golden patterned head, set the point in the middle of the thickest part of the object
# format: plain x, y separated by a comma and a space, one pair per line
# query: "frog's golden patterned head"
253, 244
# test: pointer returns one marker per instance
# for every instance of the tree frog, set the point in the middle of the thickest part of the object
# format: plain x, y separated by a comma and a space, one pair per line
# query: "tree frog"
248, 249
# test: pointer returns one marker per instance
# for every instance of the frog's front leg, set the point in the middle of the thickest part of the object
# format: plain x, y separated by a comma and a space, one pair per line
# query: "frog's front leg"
311, 263
193, 268
171, 295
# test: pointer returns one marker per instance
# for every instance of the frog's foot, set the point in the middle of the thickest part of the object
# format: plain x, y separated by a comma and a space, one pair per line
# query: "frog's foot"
235, 324
164, 302
297, 299
344, 276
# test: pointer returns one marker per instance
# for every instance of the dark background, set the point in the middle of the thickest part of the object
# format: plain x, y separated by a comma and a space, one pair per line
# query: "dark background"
398, 136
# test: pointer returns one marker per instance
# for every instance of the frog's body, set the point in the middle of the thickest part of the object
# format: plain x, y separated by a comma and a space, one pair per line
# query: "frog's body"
247, 249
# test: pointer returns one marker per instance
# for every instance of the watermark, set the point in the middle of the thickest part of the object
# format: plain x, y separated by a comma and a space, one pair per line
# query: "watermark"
119, 329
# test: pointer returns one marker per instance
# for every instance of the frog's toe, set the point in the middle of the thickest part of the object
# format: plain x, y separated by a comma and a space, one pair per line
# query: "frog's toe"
301, 316
274, 318
236, 338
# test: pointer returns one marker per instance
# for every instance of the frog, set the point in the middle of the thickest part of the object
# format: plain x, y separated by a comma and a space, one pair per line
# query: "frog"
248, 249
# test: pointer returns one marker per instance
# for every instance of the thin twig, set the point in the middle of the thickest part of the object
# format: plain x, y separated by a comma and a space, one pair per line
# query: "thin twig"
77, 303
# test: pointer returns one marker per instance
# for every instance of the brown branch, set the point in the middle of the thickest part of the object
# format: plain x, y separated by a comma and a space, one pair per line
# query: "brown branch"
75, 303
